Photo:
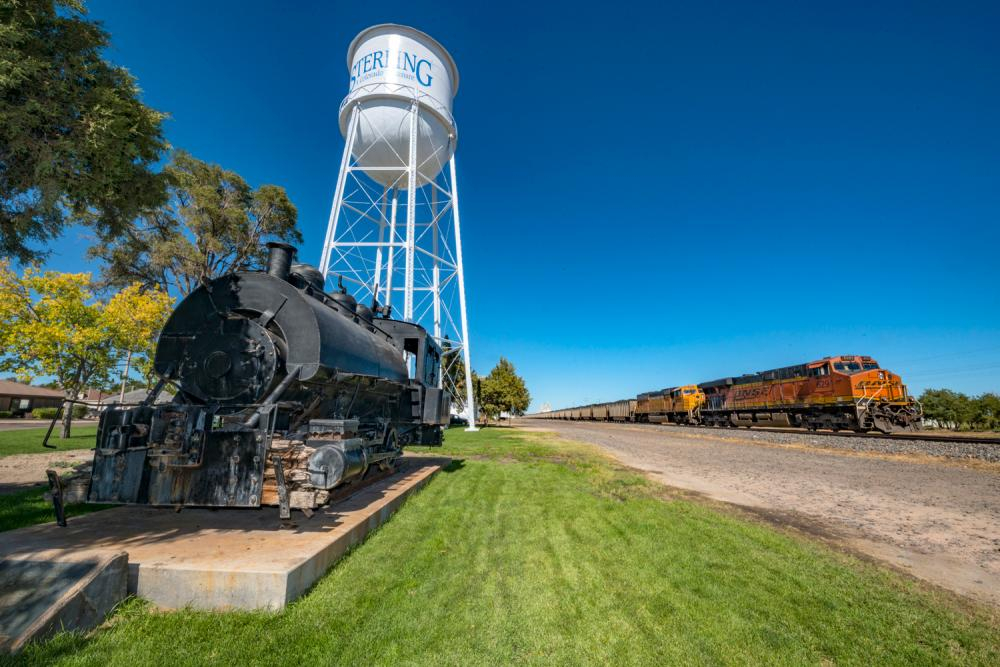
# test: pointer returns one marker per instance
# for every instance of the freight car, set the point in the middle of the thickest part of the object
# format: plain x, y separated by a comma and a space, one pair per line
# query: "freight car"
840, 393
618, 411
284, 392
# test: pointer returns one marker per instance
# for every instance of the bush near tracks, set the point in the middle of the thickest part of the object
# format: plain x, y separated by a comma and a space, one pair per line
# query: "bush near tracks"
953, 409
532, 551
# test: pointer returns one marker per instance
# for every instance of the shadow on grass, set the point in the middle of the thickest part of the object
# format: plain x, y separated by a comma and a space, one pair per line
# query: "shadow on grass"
29, 508
454, 466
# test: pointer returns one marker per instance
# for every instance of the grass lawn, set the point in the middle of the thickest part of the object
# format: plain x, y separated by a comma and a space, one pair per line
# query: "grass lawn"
26, 508
529, 550
29, 440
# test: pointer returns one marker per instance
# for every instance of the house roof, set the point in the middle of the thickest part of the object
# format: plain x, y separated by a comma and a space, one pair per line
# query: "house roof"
98, 395
139, 395
11, 388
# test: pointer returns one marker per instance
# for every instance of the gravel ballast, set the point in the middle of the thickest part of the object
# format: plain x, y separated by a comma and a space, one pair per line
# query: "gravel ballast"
983, 451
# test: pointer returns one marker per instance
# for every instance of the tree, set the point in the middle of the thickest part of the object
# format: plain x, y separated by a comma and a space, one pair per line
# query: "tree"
503, 389
948, 408
51, 324
987, 411
213, 223
76, 144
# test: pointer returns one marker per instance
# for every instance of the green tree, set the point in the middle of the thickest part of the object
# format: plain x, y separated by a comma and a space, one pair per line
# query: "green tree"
987, 411
213, 223
503, 390
52, 324
76, 144
950, 409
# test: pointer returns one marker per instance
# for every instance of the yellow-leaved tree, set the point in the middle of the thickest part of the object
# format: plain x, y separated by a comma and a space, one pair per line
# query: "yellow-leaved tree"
54, 324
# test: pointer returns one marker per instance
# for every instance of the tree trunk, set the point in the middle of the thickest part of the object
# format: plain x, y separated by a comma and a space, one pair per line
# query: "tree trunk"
67, 418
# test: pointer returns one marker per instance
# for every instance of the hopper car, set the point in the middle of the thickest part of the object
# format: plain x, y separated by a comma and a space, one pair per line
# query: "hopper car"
284, 393
847, 392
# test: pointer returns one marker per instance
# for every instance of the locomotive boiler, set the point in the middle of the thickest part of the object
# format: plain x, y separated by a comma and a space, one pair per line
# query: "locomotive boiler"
284, 392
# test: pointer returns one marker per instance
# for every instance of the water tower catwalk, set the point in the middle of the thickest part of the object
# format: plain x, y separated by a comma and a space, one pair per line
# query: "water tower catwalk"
394, 233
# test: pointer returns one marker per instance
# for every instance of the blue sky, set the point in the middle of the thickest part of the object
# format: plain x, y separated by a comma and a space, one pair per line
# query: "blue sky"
651, 195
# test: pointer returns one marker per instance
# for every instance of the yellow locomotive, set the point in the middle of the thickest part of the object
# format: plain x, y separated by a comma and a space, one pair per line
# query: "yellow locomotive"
677, 405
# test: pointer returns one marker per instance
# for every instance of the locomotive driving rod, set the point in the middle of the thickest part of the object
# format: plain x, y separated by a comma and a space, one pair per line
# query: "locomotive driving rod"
273, 396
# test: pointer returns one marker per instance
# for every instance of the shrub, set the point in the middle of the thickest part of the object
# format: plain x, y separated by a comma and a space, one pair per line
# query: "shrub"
4, 414
79, 411
44, 413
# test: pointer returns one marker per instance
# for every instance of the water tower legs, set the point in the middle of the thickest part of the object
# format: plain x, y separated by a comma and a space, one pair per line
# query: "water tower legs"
363, 237
471, 403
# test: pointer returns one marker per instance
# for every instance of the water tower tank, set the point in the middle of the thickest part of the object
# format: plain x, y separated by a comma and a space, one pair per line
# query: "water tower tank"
391, 66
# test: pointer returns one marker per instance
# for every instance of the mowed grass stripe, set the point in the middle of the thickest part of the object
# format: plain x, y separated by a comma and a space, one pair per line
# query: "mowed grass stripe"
533, 551
29, 440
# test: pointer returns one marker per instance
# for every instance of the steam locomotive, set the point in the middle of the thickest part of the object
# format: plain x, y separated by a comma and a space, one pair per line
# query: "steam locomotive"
284, 393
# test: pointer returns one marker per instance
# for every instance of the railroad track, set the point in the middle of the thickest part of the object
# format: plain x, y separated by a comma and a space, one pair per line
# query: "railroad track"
928, 437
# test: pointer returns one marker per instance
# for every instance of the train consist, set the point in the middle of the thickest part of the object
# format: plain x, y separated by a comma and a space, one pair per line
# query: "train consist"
284, 392
839, 393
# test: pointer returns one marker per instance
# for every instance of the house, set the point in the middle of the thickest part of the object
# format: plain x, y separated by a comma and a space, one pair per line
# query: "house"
96, 399
20, 399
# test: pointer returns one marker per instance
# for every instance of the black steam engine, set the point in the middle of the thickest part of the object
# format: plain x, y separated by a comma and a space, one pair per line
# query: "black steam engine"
284, 392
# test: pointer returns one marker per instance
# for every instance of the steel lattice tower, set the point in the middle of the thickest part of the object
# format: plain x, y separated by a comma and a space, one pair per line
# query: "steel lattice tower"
394, 232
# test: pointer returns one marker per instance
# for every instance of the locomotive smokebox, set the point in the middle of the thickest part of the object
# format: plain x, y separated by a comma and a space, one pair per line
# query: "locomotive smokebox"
279, 259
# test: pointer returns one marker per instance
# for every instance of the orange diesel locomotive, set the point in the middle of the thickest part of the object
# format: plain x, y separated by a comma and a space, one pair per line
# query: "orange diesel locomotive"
847, 392
679, 405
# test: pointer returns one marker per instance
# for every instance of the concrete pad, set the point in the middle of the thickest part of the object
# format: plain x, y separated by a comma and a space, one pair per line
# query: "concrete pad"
226, 559
40, 597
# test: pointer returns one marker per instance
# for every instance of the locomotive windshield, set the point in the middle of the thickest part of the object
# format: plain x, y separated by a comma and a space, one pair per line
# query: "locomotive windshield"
847, 366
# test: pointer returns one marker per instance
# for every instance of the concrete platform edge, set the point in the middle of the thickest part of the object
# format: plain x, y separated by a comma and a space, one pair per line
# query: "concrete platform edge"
84, 605
176, 588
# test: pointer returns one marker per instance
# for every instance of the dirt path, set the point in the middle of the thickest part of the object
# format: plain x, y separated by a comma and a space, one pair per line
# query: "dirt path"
938, 521
23, 471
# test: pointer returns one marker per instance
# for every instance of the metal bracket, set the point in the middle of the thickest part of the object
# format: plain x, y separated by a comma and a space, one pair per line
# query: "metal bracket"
284, 511
55, 488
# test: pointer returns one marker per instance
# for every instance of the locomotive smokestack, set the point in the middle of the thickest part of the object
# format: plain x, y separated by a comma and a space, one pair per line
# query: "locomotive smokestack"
279, 259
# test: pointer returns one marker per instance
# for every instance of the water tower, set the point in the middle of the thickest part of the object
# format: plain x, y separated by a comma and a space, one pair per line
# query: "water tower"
394, 231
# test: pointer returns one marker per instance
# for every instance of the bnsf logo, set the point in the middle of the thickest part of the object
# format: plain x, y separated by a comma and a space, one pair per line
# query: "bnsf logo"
871, 384
750, 393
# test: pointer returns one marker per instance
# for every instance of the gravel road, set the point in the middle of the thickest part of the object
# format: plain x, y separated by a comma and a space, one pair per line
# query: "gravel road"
938, 519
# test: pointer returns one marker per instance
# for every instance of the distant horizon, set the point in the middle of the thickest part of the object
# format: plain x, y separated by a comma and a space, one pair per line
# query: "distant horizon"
714, 190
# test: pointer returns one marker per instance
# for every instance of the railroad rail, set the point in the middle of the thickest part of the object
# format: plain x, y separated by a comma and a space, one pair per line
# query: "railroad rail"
929, 437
